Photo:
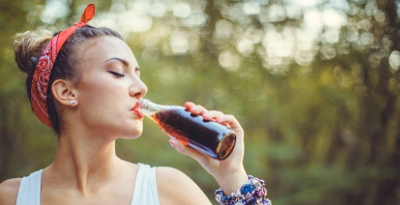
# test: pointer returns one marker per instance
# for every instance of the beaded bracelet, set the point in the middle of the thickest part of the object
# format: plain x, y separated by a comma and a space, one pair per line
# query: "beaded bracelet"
251, 193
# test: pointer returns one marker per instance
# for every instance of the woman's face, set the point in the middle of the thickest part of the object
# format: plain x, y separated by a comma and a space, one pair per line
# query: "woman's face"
109, 88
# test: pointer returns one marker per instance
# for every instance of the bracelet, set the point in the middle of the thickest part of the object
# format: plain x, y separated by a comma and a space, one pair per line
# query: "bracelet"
251, 193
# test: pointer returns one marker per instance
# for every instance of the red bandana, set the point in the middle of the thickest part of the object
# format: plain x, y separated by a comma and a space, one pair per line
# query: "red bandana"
41, 76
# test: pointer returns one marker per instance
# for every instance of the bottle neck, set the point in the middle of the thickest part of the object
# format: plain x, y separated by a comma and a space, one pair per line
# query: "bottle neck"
149, 108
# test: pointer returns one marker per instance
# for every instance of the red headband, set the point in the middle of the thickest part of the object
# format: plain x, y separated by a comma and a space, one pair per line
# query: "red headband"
41, 77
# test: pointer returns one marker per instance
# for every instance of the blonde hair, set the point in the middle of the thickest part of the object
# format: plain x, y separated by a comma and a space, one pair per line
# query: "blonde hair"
28, 48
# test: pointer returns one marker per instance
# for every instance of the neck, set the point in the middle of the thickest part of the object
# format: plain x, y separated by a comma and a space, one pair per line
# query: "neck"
86, 160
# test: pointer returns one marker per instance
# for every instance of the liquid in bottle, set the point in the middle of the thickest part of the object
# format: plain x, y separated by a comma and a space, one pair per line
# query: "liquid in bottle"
207, 136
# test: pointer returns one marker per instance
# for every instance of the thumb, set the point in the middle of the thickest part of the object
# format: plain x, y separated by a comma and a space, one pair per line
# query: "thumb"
186, 150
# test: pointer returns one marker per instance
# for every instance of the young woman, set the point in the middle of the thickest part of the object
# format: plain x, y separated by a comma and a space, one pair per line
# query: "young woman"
84, 83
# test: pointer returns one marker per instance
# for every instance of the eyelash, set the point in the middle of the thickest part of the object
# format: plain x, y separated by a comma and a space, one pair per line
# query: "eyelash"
116, 74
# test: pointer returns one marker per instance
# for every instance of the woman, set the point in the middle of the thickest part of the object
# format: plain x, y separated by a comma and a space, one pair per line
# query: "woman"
88, 100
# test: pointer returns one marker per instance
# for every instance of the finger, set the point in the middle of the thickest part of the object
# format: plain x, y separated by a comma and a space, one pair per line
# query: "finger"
189, 105
198, 110
230, 120
186, 150
212, 115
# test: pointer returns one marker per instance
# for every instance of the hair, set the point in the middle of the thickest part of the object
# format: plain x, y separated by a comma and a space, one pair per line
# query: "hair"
29, 46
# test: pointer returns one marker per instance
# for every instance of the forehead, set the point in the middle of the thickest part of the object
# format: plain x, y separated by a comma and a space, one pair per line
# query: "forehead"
98, 50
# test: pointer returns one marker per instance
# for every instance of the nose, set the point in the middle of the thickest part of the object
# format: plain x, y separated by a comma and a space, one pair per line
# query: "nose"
138, 89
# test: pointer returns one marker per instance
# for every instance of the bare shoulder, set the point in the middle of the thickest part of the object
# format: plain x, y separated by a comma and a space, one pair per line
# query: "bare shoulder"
9, 191
175, 187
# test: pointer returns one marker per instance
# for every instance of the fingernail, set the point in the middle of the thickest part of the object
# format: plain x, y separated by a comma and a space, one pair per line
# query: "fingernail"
218, 119
172, 144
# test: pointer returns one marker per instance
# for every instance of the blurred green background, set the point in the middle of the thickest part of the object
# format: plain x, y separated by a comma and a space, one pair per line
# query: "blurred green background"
315, 84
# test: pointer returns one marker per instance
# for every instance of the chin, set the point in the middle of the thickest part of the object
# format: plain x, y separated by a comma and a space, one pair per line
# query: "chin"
130, 130
133, 134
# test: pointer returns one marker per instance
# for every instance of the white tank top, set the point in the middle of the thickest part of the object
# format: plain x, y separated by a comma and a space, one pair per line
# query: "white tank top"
145, 189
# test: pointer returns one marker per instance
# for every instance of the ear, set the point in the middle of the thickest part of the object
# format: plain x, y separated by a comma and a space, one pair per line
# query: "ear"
64, 92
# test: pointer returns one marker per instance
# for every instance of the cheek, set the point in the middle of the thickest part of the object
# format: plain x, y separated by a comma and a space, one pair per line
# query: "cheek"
101, 100
101, 94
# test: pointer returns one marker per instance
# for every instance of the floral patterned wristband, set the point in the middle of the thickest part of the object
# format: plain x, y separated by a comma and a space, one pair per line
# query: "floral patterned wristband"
251, 193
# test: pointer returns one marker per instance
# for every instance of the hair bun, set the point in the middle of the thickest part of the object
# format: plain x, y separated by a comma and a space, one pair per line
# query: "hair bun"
28, 48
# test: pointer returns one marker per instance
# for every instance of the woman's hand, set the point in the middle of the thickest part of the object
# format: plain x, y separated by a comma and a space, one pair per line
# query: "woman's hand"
229, 173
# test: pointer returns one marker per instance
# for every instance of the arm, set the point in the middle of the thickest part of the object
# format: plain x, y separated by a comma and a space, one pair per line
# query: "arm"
9, 191
229, 173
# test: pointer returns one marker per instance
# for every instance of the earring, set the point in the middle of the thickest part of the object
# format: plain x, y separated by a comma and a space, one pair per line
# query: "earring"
73, 102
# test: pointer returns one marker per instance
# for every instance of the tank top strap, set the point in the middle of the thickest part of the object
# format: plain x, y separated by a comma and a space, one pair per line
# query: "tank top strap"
145, 189
29, 189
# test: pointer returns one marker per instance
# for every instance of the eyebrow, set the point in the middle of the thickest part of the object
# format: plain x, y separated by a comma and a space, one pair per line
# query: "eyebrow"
118, 59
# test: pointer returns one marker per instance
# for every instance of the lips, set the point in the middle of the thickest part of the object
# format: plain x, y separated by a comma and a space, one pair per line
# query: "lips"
135, 109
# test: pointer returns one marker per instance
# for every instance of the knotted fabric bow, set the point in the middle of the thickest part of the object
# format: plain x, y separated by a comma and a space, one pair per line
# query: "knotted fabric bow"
41, 77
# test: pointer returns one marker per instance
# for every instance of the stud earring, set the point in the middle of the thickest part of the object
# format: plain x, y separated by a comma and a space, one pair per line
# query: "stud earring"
73, 102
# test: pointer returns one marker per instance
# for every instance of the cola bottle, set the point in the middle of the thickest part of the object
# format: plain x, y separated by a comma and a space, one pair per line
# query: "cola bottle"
207, 136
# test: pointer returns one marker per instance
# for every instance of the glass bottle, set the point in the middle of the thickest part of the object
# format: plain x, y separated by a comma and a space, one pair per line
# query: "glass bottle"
206, 136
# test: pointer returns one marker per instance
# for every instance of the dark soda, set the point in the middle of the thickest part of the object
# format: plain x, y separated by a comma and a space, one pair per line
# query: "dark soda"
207, 136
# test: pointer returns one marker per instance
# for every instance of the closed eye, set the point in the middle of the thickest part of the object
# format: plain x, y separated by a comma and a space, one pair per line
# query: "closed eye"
116, 74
